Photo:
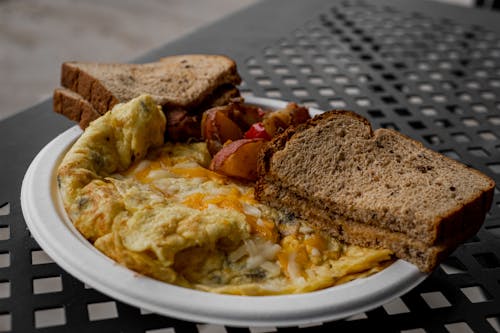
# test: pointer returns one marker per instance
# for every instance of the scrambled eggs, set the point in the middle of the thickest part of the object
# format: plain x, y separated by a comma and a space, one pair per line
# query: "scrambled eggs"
157, 209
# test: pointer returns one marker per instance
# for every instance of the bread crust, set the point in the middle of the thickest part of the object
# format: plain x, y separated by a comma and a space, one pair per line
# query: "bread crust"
87, 86
211, 71
439, 238
426, 257
73, 106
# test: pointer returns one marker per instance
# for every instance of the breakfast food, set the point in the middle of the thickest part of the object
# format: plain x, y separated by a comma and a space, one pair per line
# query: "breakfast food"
75, 107
176, 178
158, 209
183, 85
235, 133
238, 159
378, 188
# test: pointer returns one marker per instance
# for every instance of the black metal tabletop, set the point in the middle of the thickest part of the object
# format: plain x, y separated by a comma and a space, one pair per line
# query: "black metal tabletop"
428, 69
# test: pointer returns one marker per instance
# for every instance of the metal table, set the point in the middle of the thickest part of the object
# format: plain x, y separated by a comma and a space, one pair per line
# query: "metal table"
430, 70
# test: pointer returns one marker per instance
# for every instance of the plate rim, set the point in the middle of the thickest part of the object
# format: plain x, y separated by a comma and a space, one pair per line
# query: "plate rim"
43, 217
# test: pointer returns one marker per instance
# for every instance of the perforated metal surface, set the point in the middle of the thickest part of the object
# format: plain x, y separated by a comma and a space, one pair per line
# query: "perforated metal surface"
435, 76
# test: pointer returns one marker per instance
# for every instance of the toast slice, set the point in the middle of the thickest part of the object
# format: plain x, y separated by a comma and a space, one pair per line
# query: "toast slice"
376, 188
181, 126
178, 81
74, 106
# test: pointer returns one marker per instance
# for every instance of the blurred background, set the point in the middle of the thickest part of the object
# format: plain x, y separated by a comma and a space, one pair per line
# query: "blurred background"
36, 36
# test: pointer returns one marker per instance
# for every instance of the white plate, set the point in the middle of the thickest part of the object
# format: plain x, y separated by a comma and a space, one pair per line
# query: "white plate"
52, 229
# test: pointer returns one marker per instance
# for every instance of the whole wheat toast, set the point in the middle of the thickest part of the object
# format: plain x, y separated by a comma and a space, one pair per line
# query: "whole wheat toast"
187, 83
379, 180
179, 81
74, 106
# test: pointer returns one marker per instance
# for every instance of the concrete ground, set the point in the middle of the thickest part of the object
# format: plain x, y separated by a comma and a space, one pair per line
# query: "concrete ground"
36, 36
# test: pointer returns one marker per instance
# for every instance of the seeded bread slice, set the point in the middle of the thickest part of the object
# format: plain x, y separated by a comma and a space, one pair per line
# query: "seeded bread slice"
178, 81
379, 179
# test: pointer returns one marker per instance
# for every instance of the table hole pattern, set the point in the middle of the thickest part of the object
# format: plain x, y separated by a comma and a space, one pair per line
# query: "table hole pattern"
204, 328
460, 327
4, 289
435, 300
50, 317
316, 324
102, 310
4, 209
476, 294
39, 257
161, 330
262, 329
494, 321
435, 80
479, 152
5, 322
4, 260
45, 285
428, 111
4, 233
358, 316
396, 306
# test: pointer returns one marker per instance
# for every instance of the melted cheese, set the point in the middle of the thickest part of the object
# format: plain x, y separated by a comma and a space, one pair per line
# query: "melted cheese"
267, 261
